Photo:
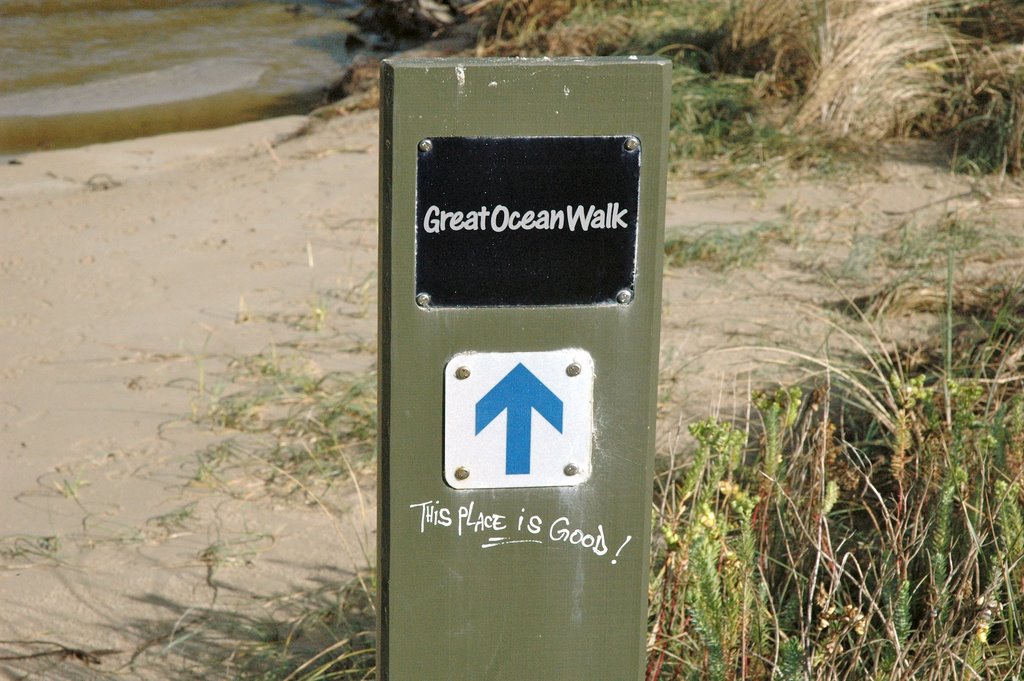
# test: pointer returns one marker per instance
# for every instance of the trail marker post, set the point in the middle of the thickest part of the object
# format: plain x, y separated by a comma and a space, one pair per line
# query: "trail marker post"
521, 230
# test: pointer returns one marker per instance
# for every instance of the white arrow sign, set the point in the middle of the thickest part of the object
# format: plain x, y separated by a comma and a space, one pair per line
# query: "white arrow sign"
518, 419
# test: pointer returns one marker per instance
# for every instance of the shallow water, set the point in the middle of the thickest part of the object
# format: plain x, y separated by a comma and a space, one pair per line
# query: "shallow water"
79, 71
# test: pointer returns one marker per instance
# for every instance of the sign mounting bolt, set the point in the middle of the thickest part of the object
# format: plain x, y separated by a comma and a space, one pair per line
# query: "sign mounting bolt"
571, 469
624, 297
427, 145
423, 299
461, 473
573, 369
462, 373
632, 144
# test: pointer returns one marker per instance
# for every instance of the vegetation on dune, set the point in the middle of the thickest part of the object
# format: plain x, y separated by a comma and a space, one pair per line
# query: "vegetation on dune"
758, 79
803, 82
873, 530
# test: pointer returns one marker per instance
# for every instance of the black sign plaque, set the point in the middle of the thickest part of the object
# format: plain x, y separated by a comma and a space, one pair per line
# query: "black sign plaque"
526, 221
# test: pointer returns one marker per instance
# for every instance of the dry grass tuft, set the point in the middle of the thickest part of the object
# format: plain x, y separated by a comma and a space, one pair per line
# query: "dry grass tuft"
872, 68
987, 112
888, 68
914, 297
775, 38
538, 27
993, 21
880, 68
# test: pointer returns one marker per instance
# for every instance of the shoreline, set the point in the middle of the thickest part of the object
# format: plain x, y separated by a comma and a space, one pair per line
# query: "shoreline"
107, 113
137, 107
22, 135
81, 73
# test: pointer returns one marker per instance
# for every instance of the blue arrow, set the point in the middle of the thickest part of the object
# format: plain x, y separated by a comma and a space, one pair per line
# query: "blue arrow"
520, 392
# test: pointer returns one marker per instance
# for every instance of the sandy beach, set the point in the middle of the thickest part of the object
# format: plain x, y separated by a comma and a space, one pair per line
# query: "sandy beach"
134, 275
124, 271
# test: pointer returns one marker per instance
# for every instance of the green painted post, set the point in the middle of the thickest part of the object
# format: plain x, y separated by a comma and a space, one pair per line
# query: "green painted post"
521, 229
